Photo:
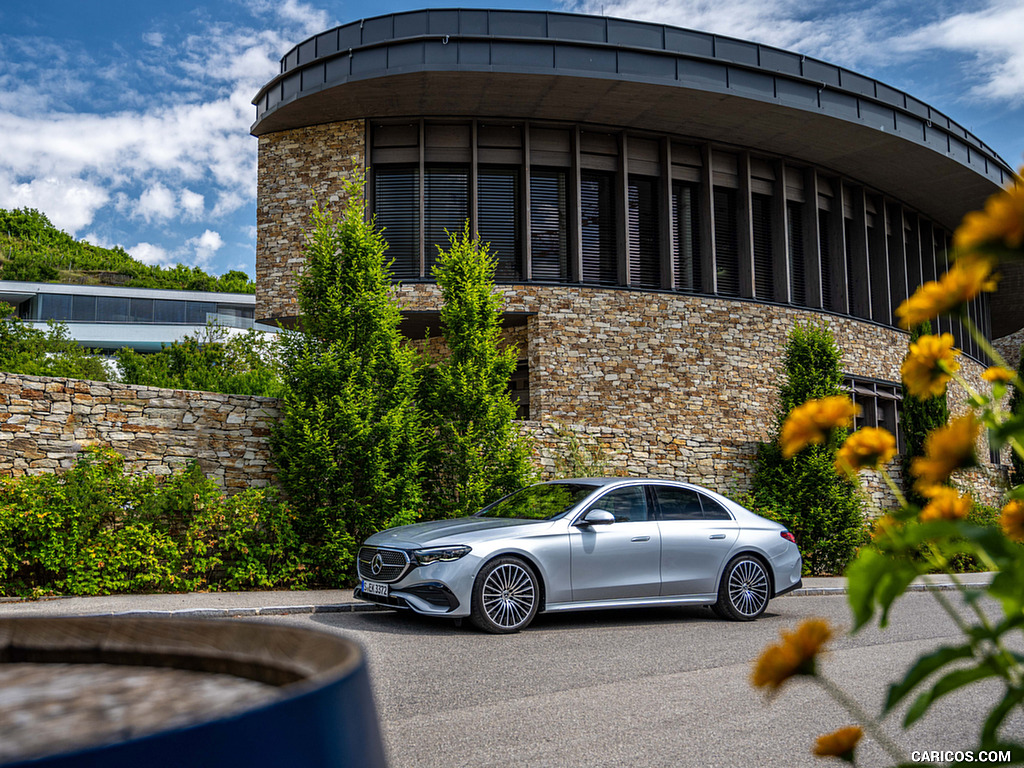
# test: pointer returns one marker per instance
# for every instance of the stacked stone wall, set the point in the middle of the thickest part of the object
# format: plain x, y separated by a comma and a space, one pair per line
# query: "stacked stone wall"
297, 168
46, 422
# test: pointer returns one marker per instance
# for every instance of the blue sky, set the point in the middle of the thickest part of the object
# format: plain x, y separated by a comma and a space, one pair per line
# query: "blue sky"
127, 123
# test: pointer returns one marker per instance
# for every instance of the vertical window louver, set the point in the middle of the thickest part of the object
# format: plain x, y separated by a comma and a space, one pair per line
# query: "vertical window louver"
851, 275
498, 218
597, 219
727, 256
446, 206
548, 226
686, 236
797, 265
761, 219
644, 241
396, 205
825, 240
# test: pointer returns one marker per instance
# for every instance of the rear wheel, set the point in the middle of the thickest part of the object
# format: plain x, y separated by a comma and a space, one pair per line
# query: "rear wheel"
744, 591
506, 596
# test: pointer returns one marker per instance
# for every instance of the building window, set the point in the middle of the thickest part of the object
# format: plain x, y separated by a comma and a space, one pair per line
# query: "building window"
597, 219
761, 219
446, 209
549, 226
498, 218
396, 203
644, 237
519, 389
727, 254
686, 235
797, 267
881, 404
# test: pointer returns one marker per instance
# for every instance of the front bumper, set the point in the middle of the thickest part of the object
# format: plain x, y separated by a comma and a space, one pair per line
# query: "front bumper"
425, 597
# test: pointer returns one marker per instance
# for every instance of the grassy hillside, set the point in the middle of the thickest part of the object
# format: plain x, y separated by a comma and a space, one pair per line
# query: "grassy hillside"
32, 249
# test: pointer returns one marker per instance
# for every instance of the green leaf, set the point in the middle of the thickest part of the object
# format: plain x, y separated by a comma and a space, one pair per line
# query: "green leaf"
998, 714
924, 667
1009, 428
947, 684
875, 578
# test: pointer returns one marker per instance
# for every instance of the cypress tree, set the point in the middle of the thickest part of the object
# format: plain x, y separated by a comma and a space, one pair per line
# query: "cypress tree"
1017, 409
806, 493
475, 453
348, 443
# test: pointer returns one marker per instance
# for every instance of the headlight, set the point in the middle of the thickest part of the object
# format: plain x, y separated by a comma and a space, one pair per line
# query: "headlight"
439, 554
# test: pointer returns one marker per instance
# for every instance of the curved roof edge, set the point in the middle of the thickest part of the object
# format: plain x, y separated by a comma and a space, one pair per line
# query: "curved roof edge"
551, 43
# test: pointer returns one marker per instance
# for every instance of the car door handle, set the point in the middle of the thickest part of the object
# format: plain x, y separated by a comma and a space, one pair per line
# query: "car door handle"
717, 536
641, 538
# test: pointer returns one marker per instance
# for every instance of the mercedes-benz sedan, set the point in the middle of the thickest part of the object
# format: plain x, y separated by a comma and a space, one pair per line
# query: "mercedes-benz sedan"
583, 544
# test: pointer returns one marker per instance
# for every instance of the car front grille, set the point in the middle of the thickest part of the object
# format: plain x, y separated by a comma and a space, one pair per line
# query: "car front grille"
392, 565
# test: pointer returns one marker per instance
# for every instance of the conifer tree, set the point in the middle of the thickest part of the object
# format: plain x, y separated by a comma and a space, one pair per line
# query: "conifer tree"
806, 493
476, 453
348, 442
1017, 409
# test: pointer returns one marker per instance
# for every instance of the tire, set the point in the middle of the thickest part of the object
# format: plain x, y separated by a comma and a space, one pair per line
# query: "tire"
745, 590
506, 595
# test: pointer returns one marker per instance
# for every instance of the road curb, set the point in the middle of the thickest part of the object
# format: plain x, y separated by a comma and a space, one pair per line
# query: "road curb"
361, 607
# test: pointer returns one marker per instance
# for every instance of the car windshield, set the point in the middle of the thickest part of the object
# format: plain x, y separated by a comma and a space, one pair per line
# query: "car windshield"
539, 502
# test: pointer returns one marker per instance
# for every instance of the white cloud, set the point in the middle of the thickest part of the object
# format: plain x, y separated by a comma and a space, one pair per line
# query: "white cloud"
205, 246
992, 35
156, 204
156, 39
192, 203
150, 254
70, 204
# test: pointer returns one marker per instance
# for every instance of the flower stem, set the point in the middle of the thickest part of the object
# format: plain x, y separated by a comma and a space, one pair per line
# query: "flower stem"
870, 724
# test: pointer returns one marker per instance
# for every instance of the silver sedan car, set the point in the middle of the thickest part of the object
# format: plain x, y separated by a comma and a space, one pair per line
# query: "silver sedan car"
582, 544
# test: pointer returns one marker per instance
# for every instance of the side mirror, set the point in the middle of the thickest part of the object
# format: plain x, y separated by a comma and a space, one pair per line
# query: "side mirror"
597, 517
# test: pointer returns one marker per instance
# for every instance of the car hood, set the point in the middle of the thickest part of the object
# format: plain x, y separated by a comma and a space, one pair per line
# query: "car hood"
462, 530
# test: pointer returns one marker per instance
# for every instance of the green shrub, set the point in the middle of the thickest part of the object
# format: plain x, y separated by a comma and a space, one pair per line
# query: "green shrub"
97, 530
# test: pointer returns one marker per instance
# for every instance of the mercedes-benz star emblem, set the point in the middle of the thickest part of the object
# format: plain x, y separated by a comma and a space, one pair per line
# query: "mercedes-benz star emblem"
377, 564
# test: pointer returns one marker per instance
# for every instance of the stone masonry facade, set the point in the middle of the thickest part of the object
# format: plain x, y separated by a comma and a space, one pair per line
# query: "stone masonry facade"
46, 422
297, 168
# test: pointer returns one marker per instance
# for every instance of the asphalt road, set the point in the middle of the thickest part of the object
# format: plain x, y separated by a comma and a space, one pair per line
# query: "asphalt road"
665, 687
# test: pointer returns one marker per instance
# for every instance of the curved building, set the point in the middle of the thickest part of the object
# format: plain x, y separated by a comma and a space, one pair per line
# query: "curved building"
664, 204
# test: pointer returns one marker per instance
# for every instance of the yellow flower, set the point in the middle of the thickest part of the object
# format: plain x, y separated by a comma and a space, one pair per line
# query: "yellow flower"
1002, 221
839, 743
997, 374
811, 422
795, 655
866, 448
970, 275
929, 365
1012, 520
946, 449
945, 504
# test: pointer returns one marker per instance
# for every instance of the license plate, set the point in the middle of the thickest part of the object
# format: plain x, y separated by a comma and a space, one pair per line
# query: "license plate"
375, 588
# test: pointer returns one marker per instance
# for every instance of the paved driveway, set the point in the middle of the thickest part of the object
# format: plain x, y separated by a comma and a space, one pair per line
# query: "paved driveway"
664, 687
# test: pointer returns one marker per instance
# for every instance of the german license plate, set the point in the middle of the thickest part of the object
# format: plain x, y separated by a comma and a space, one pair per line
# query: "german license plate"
375, 588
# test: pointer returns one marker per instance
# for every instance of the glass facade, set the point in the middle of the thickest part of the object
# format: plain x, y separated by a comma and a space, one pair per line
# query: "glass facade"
118, 309
591, 206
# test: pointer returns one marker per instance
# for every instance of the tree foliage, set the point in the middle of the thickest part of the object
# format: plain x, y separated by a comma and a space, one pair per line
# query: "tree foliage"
28, 350
34, 250
919, 418
349, 441
217, 359
805, 493
474, 452
1016, 407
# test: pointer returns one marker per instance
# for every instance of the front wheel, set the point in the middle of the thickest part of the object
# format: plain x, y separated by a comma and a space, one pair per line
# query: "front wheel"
506, 596
744, 591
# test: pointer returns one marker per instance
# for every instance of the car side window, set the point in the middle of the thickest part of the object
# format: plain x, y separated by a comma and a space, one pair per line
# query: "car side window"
627, 504
678, 503
713, 510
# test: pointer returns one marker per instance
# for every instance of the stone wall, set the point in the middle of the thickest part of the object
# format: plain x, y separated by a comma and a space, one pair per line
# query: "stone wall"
46, 422
670, 385
1009, 347
296, 168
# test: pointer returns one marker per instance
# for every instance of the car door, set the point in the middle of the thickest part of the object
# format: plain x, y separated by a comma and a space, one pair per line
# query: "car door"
620, 559
697, 534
